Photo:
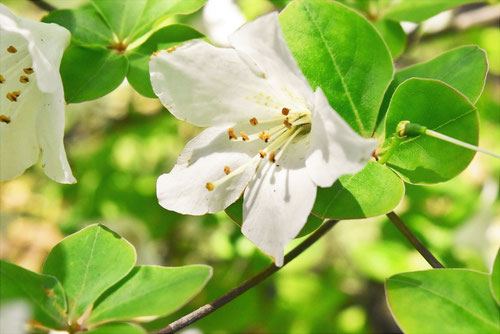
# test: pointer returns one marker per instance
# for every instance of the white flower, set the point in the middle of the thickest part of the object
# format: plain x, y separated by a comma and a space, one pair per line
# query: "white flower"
270, 136
220, 19
31, 97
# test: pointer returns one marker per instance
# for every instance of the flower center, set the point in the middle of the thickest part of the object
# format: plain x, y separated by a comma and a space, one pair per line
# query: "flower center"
277, 139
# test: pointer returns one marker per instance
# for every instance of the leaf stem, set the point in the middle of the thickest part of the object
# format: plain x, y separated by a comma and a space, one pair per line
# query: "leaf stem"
248, 284
43, 5
412, 238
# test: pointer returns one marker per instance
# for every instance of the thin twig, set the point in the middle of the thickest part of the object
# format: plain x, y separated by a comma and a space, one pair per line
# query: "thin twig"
43, 5
221, 301
414, 241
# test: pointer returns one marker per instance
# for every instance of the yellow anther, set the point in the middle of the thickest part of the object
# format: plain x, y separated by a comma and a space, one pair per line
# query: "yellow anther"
210, 186
285, 111
2, 79
24, 79
172, 49
227, 170
262, 154
287, 123
272, 154
11, 49
12, 96
4, 119
28, 70
254, 121
264, 136
244, 136
231, 134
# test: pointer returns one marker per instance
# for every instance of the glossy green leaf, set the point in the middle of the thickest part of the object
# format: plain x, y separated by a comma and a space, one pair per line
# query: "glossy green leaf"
130, 19
420, 10
441, 108
443, 301
118, 328
86, 25
44, 293
393, 34
87, 263
150, 291
90, 73
373, 191
464, 68
235, 212
341, 52
495, 278
138, 74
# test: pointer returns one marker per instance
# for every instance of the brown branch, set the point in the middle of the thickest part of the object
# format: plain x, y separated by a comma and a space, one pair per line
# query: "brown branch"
414, 241
43, 5
221, 301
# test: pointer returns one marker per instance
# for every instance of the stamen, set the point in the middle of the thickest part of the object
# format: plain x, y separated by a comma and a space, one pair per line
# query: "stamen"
227, 170
231, 134
28, 70
254, 121
172, 49
285, 111
210, 186
264, 136
4, 119
244, 136
289, 140
287, 123
11, 49
262, 154
24, 79
12, 96
272, 154
2, 79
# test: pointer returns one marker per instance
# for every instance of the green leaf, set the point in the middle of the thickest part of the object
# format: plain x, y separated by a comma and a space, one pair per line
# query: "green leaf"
130, 19
90, 73
443, 301
441, 108
87, 263
44, 293
150, 291
118, 328
341, 52
138, 74
235, 212
373, 191
420, 10
393, 34
86, 25
495, 278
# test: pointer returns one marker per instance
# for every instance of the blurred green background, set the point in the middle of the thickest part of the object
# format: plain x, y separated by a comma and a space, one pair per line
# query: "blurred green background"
119, 145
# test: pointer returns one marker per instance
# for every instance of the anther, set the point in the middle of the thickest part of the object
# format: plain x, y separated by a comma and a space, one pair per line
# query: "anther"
272, 154
262, 154
172, 49
287, 123
12, 96
227, 170
244, 136
4, 119
285, 111
254, 121
24, 79
11, 49
28, 70
210, 186
264, 136
231, 134
2, 79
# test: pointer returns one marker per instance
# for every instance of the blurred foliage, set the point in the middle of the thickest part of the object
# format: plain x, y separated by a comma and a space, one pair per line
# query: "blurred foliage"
120, 144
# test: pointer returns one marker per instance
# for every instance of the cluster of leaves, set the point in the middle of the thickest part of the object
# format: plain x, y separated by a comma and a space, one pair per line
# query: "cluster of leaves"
89, 281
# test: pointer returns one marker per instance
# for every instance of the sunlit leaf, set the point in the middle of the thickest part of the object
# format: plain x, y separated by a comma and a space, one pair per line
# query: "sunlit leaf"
495, 278
393, 34
118, 328
419, 10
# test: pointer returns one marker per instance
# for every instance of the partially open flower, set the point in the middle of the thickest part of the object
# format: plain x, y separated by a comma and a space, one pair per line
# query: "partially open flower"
31, 97
270, 136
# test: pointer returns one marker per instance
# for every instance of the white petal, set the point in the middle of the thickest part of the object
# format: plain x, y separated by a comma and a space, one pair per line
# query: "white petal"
220, 19
203, 160
50, 133
46, 44
277, 202
262, 42
206, 85
335, 148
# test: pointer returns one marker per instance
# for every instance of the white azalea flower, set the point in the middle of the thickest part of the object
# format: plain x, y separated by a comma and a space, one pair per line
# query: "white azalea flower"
31, 97
220, 19
270, 136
